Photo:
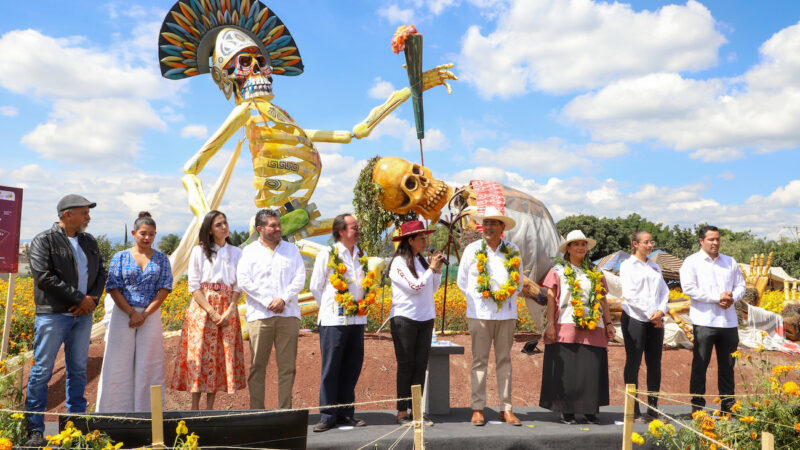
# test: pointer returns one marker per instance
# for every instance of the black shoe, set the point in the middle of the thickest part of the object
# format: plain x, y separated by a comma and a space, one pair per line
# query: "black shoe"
641, 419
405, 420
652, 415
568, 418
35, 439
351, 422
592, 419
323, 426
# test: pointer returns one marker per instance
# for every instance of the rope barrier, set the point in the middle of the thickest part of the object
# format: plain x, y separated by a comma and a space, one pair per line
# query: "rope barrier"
678, 422
681, 394
400, 438
385, 435
217, 416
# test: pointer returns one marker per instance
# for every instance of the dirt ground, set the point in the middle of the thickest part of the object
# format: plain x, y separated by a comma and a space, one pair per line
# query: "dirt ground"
378, 374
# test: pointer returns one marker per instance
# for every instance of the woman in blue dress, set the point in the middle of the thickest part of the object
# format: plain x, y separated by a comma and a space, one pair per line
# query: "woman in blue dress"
139, 279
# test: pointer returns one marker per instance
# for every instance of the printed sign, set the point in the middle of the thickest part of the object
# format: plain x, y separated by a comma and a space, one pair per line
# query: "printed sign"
10, 218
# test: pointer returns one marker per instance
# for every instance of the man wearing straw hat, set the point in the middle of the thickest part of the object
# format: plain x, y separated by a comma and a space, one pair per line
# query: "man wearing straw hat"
490, 279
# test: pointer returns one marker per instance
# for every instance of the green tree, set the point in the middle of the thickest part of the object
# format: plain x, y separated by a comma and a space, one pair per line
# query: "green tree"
239, 237
169, 243
108, 248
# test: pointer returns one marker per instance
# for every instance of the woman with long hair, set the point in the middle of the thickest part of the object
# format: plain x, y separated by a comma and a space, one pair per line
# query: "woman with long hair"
139, 279
414, 282
575, 364
646, 295
212, 352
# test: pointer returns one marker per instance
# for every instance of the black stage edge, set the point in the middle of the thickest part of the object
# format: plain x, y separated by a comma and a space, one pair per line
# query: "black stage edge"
268, 429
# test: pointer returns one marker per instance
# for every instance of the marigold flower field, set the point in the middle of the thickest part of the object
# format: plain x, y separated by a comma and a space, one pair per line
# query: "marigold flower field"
174, 307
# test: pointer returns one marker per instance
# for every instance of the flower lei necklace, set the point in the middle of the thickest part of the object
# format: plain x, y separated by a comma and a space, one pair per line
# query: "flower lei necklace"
584, 314
511, 264
344, 298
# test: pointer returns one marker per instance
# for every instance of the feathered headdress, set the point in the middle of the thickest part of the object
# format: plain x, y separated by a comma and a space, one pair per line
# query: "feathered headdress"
190, 30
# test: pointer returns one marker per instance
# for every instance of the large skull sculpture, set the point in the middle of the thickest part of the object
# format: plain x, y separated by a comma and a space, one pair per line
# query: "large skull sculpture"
240, 67
410, 187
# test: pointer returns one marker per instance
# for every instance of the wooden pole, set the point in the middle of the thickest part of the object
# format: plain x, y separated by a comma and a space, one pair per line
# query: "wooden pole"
627, 427
416, 406
12, 277
157, 417
767, 441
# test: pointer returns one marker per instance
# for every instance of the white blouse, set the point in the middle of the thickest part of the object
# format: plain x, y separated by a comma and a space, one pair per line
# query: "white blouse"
643, 288
412, 297
221, 268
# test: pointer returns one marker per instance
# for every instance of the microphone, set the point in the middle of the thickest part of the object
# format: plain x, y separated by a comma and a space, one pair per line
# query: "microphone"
445, 261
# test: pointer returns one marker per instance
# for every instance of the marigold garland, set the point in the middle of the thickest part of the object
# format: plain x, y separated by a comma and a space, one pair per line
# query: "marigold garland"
511, 264
344, 298
585, 315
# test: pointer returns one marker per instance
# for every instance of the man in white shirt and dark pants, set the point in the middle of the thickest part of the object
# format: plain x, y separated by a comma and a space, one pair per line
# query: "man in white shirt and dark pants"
714, 283
271, 272
341, 337
487, 323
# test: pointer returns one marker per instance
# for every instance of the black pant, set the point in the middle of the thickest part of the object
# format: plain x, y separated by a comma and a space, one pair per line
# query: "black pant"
642, 337
342, 350
725, 340
412, 346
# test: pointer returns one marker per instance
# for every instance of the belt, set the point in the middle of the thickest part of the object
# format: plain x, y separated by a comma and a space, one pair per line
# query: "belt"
216, 286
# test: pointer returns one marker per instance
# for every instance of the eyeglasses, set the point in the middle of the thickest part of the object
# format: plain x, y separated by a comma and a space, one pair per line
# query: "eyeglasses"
653, 243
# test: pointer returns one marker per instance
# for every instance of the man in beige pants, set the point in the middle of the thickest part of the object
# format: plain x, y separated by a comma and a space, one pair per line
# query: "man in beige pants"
487, 323
271, 272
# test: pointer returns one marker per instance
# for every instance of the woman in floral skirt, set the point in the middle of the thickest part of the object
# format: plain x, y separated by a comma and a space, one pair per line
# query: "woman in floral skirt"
212, 352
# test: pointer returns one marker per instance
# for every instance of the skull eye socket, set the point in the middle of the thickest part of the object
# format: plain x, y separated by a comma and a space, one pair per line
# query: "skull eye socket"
247, 59
415, 169
411, 184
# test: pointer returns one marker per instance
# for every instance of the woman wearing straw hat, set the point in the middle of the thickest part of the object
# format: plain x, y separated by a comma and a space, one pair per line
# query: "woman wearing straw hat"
489, 275
575, 366
414, 282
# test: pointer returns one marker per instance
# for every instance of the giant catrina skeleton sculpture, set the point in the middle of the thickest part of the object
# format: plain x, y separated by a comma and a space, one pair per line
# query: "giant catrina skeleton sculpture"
248, 44
410, 187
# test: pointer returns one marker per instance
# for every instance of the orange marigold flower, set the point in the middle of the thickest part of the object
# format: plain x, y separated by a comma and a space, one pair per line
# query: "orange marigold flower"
753, 436
486, 294
341, 268
591, 325
747, 419
791, 388
797, 428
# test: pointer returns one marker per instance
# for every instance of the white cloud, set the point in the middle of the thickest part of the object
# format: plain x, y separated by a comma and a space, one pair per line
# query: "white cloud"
396, 15
727, 175
380, 89
194, 131
561, 46
682, 205
548, 156
83, 72
94, 132
612, 150
8, 111
716, 120
404, 130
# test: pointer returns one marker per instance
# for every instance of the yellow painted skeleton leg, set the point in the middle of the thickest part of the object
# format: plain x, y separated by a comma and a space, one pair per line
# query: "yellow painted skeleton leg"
180, 257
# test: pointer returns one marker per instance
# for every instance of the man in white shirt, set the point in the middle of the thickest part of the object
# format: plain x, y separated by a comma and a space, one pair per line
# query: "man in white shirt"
272, 274
714, 283
341, 336
487, 323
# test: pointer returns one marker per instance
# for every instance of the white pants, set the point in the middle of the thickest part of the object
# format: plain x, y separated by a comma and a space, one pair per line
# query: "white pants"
133, 361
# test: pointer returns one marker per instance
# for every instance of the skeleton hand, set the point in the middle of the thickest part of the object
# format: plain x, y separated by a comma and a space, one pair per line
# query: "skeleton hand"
438, 75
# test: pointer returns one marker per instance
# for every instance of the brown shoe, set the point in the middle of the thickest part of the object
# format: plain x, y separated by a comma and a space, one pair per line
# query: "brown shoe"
508, 416
477, 418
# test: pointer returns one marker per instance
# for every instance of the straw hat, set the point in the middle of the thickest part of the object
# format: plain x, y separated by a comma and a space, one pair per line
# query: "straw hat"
576, 235
411, 228
493, 213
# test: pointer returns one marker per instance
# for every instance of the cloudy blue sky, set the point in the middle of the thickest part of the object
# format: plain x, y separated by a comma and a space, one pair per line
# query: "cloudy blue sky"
682, 112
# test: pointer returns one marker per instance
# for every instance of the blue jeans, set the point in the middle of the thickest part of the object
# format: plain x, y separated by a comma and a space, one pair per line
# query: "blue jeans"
50, 332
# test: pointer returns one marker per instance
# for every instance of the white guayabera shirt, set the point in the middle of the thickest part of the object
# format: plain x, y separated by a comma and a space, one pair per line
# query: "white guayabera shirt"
263, 275
325, 293
477, 306
703, 279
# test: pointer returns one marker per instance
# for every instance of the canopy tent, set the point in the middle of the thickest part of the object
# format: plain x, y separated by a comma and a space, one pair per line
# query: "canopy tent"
670, 264
611, 262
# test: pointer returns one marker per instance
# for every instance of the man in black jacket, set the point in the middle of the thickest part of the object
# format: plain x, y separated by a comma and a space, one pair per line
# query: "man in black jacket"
69, 278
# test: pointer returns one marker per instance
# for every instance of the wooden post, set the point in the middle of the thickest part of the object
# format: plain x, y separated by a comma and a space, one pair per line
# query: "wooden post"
12, 277
627, 427
416, 407
767, 441
157, 417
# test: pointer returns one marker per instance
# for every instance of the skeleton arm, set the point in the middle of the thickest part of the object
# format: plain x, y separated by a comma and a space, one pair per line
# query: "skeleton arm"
197, 199
431, 78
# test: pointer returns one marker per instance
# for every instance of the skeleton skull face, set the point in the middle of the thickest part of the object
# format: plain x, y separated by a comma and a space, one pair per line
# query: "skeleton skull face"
240, 68
410, 187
